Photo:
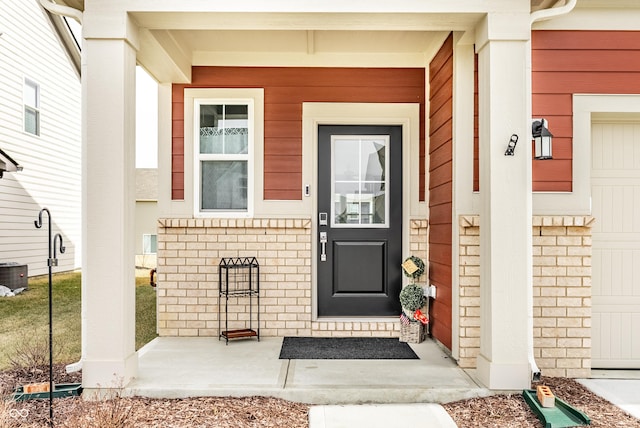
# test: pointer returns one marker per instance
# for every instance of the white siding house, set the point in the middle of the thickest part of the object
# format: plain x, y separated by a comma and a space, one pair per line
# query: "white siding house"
40, 129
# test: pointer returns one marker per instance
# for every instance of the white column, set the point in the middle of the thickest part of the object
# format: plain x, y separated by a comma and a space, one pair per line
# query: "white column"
108, 275
505, 202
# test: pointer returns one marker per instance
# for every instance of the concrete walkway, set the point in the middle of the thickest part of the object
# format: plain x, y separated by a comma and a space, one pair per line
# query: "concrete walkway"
380, 416
185, 367
620, 387
345, 393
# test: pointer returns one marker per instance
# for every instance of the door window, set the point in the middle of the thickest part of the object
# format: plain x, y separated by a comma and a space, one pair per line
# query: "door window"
359, 181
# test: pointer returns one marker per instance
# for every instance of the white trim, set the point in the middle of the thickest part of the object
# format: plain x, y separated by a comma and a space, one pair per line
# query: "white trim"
578, 202
598, 19
248, 158
254, 96
407, 115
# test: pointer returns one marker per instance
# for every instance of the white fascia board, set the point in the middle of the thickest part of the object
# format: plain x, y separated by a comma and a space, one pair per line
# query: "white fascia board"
393, 21
594, 19
299, 59
312, 6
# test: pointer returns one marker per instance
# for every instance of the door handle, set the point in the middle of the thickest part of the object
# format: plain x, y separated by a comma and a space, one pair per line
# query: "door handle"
323, 246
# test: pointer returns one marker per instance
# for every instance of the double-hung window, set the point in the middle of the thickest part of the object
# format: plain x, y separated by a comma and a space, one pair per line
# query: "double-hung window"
223, 148
31, 99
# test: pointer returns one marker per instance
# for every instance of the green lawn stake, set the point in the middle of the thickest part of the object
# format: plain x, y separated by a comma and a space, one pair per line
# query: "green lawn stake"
561, 415
60, 390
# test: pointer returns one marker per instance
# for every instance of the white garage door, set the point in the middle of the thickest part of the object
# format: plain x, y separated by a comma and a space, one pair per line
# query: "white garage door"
615, 181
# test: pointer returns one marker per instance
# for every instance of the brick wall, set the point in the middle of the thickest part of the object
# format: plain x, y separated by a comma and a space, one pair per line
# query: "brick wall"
561, 290
189, 251
469, 284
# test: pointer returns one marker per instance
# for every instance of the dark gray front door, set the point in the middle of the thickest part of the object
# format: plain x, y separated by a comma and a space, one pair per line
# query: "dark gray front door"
359, 220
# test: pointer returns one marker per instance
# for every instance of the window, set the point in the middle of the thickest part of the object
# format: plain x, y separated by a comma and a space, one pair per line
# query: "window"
359, 181
149, 244
223, 146
31, 99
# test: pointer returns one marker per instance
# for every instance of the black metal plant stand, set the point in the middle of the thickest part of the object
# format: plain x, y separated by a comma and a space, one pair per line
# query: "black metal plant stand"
239, 277
51, 261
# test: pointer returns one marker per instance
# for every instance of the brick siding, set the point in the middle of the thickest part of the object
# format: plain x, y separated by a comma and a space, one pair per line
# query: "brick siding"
561, 293
189, 251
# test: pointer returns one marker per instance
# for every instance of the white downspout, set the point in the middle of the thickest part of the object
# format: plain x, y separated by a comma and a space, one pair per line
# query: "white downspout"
536, 16
58, 9
552, 12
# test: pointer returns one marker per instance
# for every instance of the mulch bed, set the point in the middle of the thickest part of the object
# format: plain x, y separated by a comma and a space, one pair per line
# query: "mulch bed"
245, 412
250, 412
512, 411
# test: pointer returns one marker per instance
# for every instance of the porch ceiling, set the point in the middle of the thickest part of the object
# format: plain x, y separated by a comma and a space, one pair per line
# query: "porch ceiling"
172, 41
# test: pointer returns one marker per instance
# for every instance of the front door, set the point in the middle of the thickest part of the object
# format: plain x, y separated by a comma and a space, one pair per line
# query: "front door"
359, 220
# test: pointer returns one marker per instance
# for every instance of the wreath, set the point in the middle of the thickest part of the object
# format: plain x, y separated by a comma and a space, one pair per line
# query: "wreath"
413, 267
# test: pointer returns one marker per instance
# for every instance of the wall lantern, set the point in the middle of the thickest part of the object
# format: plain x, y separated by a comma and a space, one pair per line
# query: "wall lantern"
542, 139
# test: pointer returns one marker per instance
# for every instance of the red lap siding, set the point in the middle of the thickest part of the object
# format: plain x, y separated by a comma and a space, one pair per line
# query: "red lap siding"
576, 62
440, 185
285, 90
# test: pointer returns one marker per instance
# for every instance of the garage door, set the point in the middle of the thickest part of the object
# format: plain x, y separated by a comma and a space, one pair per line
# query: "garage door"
615, 181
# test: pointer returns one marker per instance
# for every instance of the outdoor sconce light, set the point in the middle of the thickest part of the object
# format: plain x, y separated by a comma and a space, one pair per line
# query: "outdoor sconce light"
542, 139
511, 147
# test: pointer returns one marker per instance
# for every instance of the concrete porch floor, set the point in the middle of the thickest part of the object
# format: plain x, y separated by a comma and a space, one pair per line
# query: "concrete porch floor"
171, 367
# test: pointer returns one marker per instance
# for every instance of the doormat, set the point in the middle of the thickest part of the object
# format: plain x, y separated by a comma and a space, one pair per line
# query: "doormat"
345, 348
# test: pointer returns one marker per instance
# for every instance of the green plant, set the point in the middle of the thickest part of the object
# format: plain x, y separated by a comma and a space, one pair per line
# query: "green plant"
412, 297
413, 267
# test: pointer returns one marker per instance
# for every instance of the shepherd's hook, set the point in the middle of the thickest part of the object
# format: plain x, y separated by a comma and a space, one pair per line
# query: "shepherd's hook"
51, 261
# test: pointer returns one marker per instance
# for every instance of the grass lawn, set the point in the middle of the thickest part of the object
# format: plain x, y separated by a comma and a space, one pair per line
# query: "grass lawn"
24, 319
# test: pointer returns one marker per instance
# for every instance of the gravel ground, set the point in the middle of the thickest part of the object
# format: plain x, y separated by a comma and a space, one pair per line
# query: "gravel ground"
249, 412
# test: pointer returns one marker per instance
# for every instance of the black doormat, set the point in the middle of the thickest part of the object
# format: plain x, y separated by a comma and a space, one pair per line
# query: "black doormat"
345, 348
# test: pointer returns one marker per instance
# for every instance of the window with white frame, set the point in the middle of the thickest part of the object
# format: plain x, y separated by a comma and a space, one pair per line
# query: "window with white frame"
223, 152
149, 244
31, 99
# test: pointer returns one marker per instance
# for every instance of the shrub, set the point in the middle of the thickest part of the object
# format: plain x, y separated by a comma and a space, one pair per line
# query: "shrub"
412, 297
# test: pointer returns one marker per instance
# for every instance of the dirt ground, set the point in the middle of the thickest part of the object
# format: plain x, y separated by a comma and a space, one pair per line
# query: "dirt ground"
249, 412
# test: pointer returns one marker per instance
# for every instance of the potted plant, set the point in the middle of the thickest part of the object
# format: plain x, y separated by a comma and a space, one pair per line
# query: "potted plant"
412, 299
